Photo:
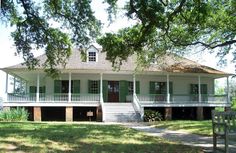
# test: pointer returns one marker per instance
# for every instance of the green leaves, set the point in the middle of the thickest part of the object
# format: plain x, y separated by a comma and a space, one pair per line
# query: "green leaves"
176, 26
52, 25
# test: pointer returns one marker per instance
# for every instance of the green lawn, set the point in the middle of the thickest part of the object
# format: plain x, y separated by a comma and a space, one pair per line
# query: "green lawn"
196, 127
83, 138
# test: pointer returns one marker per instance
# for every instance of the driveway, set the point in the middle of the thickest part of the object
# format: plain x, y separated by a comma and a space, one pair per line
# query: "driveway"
180, 136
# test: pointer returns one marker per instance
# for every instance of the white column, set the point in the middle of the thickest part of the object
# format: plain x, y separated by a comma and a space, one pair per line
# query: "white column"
5, 98
168, 88
37, 91
69, 91
228, 92
6, 89
134, 85
14, 84
199, 89
101, 91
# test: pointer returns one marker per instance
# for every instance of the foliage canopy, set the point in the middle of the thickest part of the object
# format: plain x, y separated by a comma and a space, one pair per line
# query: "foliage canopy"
161, 25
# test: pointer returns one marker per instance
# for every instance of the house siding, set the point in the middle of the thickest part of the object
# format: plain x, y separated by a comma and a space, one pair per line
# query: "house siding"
181, 84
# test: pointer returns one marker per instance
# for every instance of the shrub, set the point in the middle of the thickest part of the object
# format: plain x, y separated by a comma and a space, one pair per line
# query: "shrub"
16, 114
151, 116
234, 104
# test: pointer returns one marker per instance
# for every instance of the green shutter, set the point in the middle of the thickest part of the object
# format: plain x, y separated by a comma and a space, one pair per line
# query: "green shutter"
123, 90
204, 92
105, 90
76, 86
33, 89
89, 86
42, 89
193, 89
171, 87
98, 86
57, 86
203, 88
137, 87
152, 87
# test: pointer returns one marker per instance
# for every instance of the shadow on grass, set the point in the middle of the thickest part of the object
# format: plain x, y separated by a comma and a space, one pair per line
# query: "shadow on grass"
85, 138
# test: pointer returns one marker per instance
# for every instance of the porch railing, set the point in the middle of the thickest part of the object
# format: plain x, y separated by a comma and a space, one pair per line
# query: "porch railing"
138, 107
182, 98
14, 97
61, 97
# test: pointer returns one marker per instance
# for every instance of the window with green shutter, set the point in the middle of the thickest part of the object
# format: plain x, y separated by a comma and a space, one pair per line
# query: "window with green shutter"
105, 90
57, 86
75, 86
32, 89
123, 90
137, 87
158, 87
93, 86
152, 87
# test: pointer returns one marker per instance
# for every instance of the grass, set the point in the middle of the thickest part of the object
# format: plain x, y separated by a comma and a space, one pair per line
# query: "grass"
195, 127
83, 138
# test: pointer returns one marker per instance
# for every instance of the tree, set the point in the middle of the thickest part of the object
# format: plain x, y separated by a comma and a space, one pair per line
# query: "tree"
172, 25
33, 22
162, 25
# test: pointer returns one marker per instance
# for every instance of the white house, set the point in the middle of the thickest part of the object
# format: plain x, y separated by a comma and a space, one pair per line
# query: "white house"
90, 89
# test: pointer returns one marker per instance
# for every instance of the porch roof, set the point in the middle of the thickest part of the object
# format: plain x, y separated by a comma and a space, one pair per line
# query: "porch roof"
166, 63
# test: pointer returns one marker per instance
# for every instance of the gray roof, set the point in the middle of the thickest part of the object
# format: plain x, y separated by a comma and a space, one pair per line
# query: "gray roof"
167, 63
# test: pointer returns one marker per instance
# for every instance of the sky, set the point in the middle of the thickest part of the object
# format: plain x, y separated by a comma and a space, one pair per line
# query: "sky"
8, 57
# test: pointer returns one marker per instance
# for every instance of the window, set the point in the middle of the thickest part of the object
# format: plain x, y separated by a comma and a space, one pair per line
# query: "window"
94, 87
92, 56
160, 87
130, 88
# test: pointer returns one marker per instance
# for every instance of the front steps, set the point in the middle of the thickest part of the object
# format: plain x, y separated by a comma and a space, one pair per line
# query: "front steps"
120, 112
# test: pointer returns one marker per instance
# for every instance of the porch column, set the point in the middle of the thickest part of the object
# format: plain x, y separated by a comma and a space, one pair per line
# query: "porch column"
199, 89
101, 89
228, 92
14, 84
69, 91
37, 92
6, 89
168, 89
5, 98
134, 85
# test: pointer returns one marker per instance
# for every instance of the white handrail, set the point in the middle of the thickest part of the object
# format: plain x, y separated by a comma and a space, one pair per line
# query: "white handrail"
137, 106
102, 107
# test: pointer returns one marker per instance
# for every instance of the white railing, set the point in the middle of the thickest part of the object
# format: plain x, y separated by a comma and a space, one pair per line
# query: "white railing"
183, 99
137, 106
60, 97
85, 97
152, 98
13, 97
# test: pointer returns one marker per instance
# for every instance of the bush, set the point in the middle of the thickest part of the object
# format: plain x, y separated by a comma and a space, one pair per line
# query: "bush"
234, 104
151, 116
16, 114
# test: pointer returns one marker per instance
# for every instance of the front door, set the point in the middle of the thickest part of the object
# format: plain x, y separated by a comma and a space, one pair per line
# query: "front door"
113, 91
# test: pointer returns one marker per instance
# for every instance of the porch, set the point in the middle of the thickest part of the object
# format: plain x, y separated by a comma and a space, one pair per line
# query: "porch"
152, 90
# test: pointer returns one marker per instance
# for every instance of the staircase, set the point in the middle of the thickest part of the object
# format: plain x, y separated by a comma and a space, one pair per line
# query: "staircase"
120, 112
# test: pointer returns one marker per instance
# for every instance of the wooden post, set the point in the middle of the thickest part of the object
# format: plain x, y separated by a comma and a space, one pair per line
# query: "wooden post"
168, 113
200, 113
69, 114
37, 113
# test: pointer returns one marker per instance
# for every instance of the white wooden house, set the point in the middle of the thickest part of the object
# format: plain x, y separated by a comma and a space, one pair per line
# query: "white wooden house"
170, 85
